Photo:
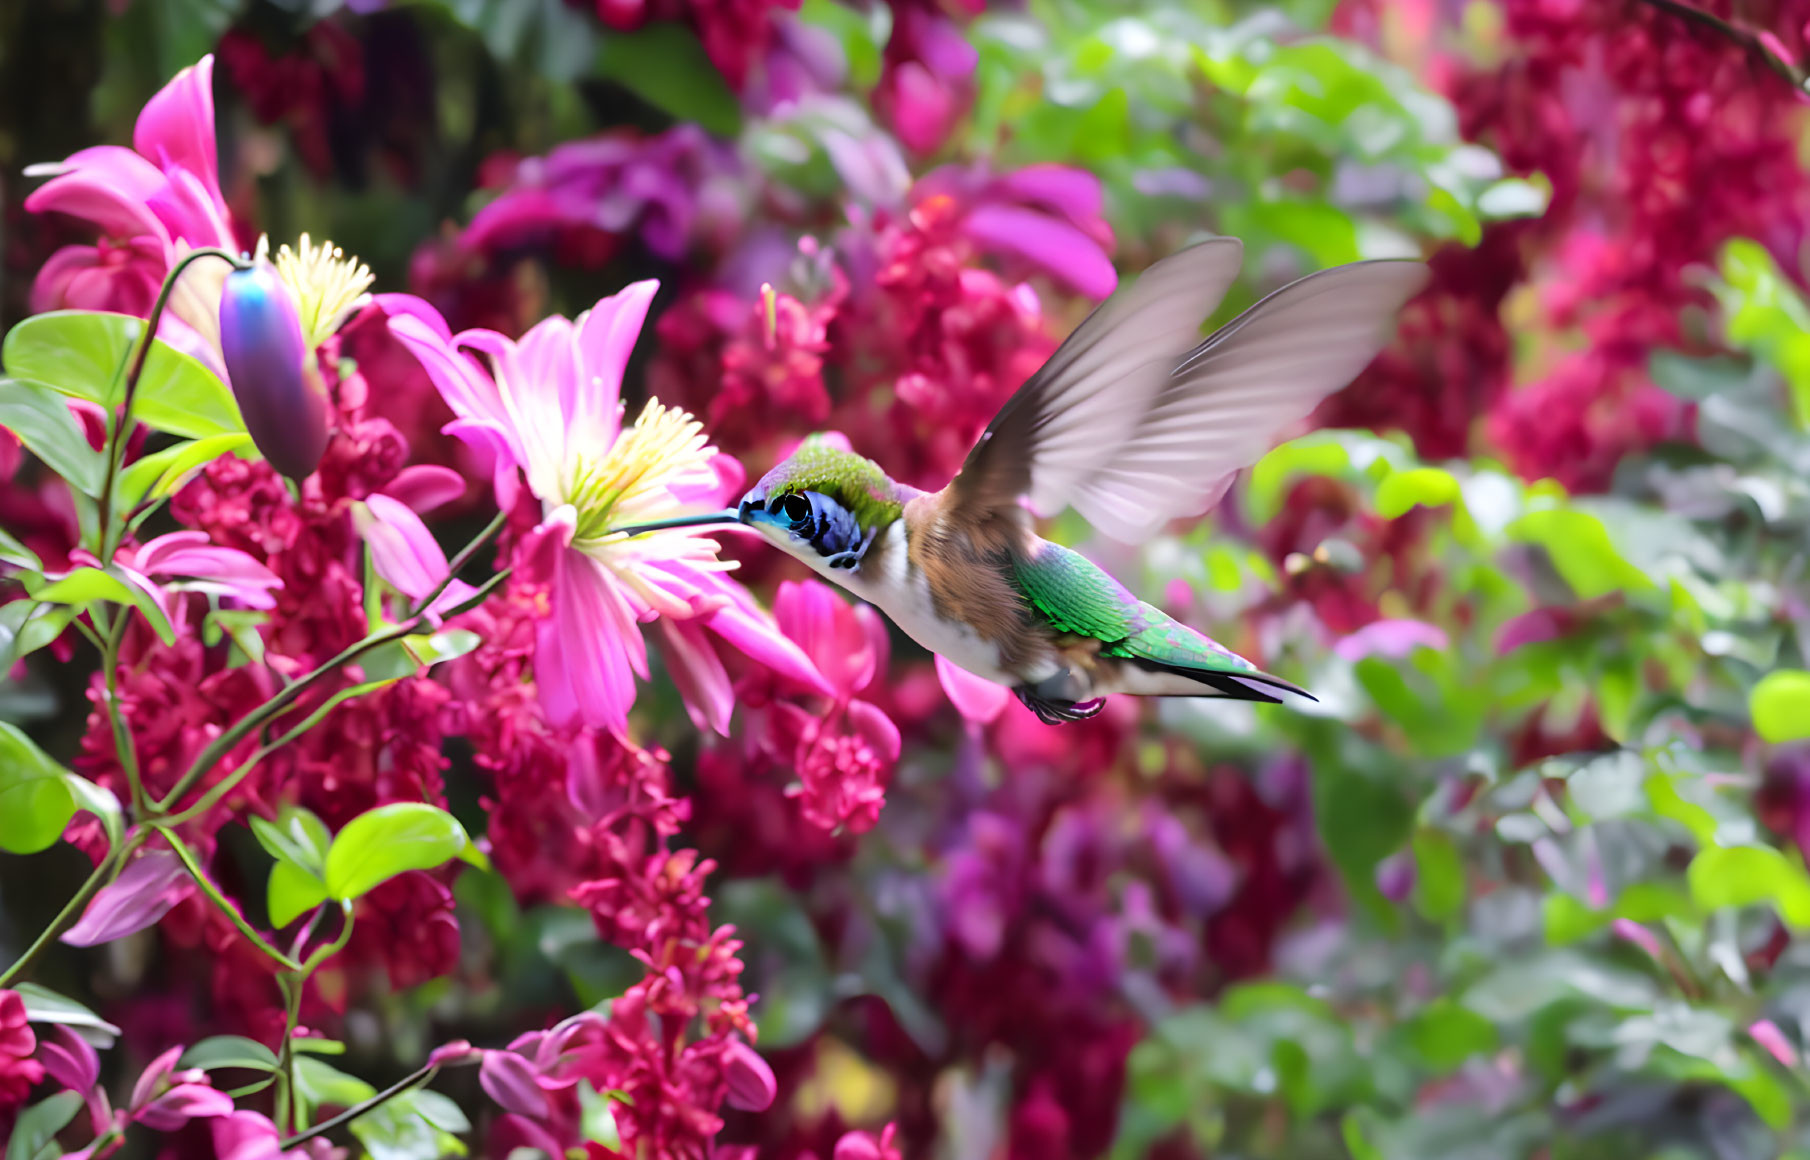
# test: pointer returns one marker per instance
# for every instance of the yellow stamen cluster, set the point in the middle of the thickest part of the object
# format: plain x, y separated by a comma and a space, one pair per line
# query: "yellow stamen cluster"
666, 445
328, 286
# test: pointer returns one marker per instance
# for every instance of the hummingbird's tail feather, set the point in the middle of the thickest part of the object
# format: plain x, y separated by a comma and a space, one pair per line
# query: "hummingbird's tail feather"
1168, 659
1153, 678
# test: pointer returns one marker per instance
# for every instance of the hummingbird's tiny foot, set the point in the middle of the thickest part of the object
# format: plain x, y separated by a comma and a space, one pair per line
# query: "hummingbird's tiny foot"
1058, 712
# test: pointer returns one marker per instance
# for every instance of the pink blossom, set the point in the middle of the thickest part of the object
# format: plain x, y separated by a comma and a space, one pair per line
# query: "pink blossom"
142, 894
975, 698
405, 553
250, 1136
550, 409
844, 754
145, 201
165, 1099
18, 1070
190, 562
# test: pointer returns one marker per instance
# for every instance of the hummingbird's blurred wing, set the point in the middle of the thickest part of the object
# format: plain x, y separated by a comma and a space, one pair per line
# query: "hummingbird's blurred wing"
1067, 419
1222, 405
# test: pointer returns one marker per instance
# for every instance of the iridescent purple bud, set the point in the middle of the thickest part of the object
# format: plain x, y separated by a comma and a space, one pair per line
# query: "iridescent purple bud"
272, 371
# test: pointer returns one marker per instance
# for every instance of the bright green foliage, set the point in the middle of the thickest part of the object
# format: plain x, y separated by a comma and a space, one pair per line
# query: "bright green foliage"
381, 843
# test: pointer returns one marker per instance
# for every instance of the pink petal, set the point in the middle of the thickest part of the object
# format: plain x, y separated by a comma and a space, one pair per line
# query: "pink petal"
704, 685
876, 728
402, 550
974, 697
590, 663
745, 626
1074, 193
1766, 1033
153, 1076
192, 209
1055, 245
112, 196
549, 360
460, 380
426, 486
508, 1079
247, 1136
141, 895
751, 1082
823, 624
69, 1059
606, 337
182, 1103
176, 127
1394, 639
191, 554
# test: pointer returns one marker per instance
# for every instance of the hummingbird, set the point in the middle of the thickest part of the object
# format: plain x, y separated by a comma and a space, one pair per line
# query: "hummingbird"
1133, 422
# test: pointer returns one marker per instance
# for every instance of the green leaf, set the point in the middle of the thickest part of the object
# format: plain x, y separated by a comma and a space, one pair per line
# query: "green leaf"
1439, 875
596, 1119
41, 418
1445, 1034
35, 799
229, 1051
315, 1046
13, 552
84, 354
1738, 876
320, 1084
406, 1128
1582, 552
39, 1124
1427, 486
159, 475
83, 586
296, 836
43, 1005
28, 625
379, 844
293, 891
99, 801
1780, 704
664, 65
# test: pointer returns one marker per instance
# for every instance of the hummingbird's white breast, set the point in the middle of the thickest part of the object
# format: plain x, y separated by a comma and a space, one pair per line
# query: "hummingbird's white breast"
889, 581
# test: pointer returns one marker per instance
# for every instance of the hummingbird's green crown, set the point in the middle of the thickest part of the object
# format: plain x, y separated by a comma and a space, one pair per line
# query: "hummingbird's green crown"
856, 483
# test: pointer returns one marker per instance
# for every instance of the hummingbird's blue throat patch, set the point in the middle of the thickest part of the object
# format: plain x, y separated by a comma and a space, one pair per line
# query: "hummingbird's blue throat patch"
813, 518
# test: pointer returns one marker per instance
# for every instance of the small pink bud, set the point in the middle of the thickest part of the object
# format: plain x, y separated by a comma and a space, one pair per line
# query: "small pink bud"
751, 1082
1766, 1033
508, 1079
858, 1146
273, 373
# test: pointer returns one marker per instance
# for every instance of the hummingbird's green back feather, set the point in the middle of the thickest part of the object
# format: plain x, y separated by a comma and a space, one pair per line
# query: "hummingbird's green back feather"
1078, 597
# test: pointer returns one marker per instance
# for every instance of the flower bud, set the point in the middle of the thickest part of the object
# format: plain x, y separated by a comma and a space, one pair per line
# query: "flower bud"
751, 1083
273, 373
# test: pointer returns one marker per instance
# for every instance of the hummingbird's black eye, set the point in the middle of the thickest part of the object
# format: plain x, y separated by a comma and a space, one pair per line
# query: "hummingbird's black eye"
796, 508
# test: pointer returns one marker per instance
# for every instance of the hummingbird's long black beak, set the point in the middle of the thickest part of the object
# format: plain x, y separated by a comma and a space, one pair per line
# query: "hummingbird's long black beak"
726, 516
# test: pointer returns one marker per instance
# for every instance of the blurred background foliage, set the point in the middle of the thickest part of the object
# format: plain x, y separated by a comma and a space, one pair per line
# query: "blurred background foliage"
1527, 880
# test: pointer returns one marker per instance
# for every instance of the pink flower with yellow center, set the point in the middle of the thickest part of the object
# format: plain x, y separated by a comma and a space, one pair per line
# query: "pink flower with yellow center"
548, 411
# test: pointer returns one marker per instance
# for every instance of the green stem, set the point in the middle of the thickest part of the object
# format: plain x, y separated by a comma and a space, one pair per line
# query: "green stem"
116, 439
1746, 39
246, 725
420, 1076
103, 874
293, 988
123, 746
459, 561
222, 903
